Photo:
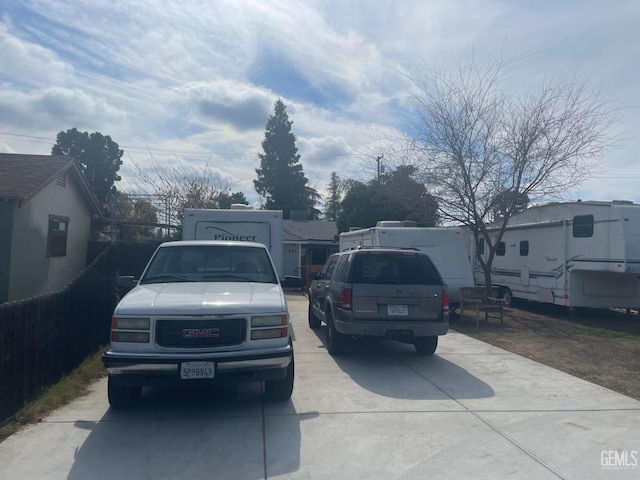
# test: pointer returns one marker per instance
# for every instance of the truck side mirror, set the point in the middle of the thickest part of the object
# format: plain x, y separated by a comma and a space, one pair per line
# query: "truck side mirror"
125, 283
313, 276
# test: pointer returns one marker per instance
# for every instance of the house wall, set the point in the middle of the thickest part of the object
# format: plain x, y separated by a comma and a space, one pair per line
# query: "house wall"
291, 259
32, 271
7, 208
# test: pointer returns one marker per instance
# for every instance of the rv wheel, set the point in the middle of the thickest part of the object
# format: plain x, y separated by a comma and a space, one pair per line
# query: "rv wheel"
507, 297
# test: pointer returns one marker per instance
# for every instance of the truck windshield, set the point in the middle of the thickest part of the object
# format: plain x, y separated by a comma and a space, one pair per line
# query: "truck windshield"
209, 263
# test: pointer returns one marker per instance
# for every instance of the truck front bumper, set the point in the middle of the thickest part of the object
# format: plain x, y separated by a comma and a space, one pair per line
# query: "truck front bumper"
132, 369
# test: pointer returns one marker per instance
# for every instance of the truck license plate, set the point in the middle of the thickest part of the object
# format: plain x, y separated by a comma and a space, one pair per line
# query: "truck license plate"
193, 370
397, 310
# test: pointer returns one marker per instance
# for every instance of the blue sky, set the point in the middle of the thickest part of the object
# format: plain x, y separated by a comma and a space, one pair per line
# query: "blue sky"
196, 80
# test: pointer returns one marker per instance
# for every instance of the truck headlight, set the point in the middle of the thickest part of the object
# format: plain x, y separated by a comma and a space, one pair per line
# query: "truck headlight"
269, 333
134, 337
269, 321
118, 323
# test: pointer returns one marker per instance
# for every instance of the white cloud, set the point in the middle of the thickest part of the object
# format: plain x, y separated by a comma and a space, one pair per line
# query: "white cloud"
198, 80
239, 104
60, 106
24, 63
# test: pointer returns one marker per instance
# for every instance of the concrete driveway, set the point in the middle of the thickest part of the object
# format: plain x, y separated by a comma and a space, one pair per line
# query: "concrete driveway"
379, 412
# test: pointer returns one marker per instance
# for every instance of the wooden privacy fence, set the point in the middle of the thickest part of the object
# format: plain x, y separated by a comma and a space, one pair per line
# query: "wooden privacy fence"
44, 337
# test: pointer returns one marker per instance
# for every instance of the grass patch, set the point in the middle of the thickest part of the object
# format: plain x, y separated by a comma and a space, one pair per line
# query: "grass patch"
70, 387
603, 332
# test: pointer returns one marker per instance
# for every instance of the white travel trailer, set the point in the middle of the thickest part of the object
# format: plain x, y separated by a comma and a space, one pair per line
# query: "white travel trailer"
445, 247
577, 254
240, 223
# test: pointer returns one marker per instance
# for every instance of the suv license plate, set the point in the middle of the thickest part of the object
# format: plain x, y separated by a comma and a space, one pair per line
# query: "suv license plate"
193, 370
398, 310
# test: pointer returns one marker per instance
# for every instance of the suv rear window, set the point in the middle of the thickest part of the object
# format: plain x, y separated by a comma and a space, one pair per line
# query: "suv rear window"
394, 268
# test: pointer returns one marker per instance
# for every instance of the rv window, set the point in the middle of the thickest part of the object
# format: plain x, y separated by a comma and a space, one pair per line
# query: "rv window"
524, 248
500, 249
481, 246
583, 226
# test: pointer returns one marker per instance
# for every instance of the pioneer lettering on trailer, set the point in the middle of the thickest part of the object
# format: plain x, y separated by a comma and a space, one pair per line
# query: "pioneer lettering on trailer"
220, 234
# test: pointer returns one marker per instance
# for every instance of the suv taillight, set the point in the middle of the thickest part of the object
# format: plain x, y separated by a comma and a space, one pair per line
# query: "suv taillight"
445, 301
344, 300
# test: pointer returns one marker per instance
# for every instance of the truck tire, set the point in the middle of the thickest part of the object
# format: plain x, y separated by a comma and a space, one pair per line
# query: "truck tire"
281, 390
122, 396
335, 340
426, 345
314, 321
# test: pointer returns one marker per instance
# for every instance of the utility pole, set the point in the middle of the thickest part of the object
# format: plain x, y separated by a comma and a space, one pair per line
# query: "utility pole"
378, 158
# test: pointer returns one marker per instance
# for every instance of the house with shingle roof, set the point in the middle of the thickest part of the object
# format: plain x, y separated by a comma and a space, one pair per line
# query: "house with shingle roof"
46, 208
307, 244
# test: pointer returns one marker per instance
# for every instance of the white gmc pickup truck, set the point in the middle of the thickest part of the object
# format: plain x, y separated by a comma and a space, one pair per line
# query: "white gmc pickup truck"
202, 312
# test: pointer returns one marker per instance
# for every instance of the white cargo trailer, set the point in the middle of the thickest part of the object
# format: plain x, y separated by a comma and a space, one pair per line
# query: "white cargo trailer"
445, 247
577, 254
237, 225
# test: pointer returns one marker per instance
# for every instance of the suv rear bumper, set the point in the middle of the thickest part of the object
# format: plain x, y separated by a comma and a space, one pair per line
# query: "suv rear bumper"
133, 369
391, 329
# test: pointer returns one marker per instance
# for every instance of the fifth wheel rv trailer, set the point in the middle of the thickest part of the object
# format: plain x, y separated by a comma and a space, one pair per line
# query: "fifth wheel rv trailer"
445, 247
239, 223
576, 254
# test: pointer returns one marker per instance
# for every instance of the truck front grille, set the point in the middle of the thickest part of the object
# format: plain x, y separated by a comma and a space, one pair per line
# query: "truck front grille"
200, 333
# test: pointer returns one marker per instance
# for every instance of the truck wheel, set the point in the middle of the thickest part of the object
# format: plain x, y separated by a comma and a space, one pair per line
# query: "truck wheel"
281, 390
335, 339
426, 345
314, 321
507, 297
122, 397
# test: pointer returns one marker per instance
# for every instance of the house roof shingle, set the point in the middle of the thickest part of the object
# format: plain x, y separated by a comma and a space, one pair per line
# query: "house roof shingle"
295, 230
23, 176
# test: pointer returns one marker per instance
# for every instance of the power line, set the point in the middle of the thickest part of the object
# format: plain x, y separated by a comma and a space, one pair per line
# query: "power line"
238, 155
161, 151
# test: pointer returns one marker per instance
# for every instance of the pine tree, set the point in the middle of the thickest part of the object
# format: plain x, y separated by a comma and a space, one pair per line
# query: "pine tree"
281, 179
332, 205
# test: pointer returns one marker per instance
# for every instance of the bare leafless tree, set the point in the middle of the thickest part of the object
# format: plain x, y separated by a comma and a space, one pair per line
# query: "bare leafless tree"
486, 151
182, 185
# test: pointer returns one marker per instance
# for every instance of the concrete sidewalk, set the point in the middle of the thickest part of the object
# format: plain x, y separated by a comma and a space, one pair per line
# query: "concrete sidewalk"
379, 412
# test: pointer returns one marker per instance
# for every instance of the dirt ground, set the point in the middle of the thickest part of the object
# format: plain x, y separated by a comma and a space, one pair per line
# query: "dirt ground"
601, 346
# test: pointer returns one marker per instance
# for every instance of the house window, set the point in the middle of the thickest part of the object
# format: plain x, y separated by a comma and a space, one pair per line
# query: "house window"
500, 249
319, 255
57, 240
524, 248
583, 226
481, 246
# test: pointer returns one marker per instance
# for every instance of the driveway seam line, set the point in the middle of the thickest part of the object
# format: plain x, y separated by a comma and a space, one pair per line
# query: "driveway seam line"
489, 424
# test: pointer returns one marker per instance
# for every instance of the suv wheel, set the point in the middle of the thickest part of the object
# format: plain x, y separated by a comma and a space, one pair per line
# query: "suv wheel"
281, 390
122, 397
426, 345
314, 321
335, 339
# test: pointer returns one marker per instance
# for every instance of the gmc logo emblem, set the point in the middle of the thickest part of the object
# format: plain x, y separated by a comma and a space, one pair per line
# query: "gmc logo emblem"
200, 333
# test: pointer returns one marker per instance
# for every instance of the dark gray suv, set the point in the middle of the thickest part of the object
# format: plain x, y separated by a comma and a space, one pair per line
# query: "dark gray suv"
380, 292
